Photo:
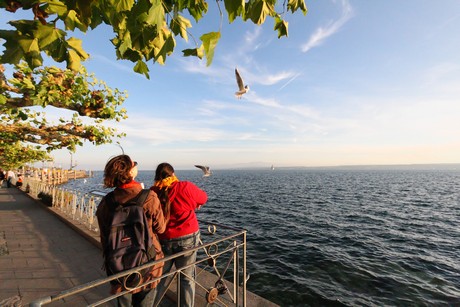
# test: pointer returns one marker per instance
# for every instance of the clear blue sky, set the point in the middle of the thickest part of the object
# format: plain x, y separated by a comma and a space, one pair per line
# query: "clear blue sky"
356, 82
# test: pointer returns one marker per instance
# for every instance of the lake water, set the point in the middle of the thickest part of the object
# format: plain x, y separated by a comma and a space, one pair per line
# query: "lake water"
340, 237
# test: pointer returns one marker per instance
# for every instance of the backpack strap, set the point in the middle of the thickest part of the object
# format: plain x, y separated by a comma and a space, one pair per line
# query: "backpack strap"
110, 200
151, 252
142, 197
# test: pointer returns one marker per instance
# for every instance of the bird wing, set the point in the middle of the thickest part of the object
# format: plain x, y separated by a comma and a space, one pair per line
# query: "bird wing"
239, 80
203, 168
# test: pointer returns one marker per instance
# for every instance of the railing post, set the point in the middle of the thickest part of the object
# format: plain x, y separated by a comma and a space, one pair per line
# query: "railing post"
178, 276
236, 272
244, 269
91, 212
54, 200
73, 205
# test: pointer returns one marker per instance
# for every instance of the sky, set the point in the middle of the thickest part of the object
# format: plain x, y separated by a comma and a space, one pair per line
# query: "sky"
355, 83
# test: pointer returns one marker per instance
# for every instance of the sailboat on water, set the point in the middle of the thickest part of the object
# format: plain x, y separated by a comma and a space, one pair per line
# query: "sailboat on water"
272, 168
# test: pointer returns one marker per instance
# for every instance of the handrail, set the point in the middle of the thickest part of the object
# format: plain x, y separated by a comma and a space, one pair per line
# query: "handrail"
76, 206
224, 241
235, 242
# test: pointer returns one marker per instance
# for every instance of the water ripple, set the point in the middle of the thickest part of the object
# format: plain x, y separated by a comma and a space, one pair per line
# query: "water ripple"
343, 238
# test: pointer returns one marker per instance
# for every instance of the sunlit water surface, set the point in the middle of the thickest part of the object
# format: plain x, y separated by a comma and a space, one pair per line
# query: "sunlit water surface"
339, 237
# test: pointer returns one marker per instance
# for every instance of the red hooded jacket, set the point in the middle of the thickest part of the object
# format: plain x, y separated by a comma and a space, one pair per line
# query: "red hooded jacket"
185, 198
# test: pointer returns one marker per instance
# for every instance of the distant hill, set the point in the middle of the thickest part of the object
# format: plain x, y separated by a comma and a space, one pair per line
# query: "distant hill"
256, 166
441, 167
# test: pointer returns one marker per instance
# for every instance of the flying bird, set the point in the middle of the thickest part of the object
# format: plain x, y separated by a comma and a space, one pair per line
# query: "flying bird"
206, 171
242, 89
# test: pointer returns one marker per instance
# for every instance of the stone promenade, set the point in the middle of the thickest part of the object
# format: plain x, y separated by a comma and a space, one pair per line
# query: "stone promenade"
41, 256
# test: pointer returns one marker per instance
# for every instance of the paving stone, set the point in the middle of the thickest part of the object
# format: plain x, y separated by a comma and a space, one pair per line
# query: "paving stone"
45, 256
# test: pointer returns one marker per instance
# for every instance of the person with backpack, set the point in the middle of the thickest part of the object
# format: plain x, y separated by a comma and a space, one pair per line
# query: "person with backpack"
179, 199
129, 220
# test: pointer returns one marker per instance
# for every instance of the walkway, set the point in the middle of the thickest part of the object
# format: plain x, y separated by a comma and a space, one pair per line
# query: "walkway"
40, 255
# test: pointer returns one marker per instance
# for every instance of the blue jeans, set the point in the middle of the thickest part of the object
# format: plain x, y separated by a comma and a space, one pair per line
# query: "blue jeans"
187, 285
141, 299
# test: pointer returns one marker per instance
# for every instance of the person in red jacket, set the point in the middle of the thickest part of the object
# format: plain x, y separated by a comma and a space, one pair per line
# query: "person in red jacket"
180, 199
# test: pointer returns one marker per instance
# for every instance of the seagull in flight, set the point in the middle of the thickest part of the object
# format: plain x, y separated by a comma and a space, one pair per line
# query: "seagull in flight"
205, 169
242, 89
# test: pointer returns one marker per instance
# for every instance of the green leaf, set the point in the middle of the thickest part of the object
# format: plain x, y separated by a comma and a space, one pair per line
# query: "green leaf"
234, 9
29, 45
72, 21
27, 83
123, 5
164, 46
59, 51
2, 99
24, 26
56, 7
47, 34
210, 41
281, 26
85, 14
156, 15
34, 59
139, 14
258, 11
294, 5
75, 44
181, 4
13, 53
23, 115
141, 68
73, 60
179, 25
196, 8
132, 55
198, 52
124, 44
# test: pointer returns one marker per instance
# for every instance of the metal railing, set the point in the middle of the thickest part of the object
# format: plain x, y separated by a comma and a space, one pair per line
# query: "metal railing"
76, 206
221, 257
221, 247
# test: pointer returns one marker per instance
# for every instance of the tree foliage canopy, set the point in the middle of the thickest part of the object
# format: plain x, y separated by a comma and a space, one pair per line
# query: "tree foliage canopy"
24, 97
15, 155
144, 31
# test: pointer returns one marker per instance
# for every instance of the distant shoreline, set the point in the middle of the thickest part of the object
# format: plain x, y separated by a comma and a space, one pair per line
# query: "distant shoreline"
433, 166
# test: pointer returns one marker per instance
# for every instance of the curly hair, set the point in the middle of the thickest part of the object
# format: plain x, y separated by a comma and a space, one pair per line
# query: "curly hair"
118, 171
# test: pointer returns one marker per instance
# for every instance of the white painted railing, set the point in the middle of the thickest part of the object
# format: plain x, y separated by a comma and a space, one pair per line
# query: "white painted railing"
76, 206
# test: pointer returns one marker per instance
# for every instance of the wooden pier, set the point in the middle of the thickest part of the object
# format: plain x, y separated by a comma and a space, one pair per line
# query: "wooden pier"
55, 176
